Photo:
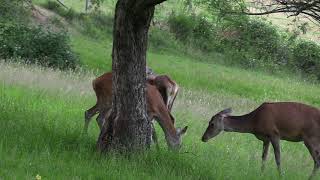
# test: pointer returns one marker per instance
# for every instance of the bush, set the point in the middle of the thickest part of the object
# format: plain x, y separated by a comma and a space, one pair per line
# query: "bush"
157, 40
96, 24
37, 45
13, 11
306, 57
182, 26
246, 42
194, 30
52, 5
255, 38
70, 14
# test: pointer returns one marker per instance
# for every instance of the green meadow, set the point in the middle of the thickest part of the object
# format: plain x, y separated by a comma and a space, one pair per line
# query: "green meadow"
42, 116
42, 112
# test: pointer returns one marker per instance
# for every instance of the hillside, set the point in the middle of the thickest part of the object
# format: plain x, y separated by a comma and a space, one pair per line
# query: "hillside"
42, 114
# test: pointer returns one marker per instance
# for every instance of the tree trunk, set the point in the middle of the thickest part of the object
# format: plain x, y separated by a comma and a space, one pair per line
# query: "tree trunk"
128, 127
87, 6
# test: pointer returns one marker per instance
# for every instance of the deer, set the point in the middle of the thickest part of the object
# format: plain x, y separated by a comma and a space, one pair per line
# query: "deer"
156, 109
272, 122
166, 86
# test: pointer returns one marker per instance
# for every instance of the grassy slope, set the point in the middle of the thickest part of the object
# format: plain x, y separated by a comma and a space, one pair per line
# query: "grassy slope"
193, 74
40, 125
41, 130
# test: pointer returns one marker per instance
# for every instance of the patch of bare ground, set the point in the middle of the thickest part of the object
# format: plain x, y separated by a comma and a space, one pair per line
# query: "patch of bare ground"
47, 18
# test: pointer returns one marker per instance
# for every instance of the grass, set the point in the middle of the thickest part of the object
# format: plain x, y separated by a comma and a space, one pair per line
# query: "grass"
210, 77
41, 130
41, 118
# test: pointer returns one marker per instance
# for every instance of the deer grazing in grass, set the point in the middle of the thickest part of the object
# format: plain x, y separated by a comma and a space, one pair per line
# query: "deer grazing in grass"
156, 109
272, 122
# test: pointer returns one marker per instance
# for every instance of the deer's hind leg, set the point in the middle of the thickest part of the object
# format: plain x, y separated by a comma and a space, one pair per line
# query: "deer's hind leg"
103, 116
88, 114
275, 141
313, 145
266, 144
154, 136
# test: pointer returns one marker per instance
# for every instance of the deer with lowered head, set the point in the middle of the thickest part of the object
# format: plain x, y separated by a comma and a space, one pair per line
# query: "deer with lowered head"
156, 109
272, 122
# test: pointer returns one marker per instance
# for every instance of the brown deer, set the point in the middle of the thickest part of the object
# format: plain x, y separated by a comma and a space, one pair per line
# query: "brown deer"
272, 122
166, 86
156, 109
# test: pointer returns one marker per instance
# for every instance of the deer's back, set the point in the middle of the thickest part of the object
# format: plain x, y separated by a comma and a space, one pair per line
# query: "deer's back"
103, 89
102, 86
291, 121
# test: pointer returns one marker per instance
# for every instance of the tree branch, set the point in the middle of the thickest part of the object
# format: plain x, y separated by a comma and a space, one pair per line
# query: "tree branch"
62, 4
294, 7
150, 3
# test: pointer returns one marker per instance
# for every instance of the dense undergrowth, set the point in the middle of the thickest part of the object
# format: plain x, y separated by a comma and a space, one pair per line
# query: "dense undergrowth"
36, 44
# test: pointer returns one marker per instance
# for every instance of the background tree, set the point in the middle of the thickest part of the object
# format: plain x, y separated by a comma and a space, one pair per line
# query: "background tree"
309, 8
128, 127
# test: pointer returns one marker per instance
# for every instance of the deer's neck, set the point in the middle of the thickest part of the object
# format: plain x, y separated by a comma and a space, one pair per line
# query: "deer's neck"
243, 124
167, 126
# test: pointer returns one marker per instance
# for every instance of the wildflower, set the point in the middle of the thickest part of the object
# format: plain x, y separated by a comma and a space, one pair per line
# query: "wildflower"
38, 177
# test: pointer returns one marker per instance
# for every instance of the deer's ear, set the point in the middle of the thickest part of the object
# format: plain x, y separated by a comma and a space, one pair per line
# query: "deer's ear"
182, 131
226, 112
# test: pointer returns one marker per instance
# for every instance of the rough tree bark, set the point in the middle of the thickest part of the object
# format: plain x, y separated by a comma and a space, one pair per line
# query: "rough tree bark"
128, 128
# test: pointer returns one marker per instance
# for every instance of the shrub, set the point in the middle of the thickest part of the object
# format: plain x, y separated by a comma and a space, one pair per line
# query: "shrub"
13, 11
258, 43
96, 24
37, 45
194, 30
182, 26
306, 57
52, 5
157, 40
70, 14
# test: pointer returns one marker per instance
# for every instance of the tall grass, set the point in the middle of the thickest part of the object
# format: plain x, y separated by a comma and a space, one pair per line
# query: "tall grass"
41, 121
41, 133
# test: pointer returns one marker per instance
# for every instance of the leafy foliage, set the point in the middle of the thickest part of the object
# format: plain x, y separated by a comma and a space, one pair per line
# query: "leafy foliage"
194, 30
306, 56
13, 10
36, 45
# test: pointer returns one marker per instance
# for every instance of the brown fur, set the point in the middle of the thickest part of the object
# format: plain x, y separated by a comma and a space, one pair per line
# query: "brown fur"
167, 88
156, 108
272, 122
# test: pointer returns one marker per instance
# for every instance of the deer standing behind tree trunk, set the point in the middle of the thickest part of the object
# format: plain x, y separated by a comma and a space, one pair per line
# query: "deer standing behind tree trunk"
272, 122
156, 109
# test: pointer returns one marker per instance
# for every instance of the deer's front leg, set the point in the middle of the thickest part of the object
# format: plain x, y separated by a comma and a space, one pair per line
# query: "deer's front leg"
265, 150
275, 141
